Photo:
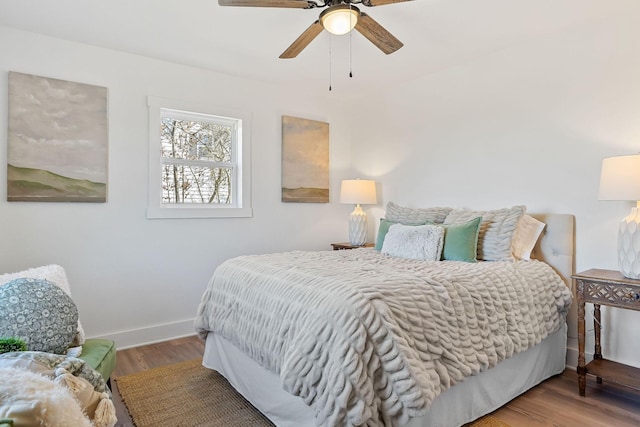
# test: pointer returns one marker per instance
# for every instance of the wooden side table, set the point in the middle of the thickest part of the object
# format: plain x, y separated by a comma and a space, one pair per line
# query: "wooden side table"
610, 288
342, 246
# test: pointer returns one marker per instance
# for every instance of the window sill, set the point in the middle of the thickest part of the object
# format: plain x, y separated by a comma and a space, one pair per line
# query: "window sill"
180, 212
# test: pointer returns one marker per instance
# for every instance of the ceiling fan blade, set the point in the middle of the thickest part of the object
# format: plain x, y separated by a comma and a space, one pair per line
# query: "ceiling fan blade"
377, 34
294, 4
302, 41
372, 3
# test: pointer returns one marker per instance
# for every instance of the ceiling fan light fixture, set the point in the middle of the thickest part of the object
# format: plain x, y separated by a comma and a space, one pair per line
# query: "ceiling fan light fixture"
340, 19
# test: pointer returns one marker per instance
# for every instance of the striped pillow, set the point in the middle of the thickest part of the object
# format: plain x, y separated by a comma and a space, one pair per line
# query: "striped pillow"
415, 216
496, 230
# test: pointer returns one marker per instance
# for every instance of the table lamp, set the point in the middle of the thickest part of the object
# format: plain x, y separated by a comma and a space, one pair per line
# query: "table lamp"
358, 191
620, 180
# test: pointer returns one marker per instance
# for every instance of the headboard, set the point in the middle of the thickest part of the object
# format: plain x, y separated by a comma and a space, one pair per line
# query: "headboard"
556, 246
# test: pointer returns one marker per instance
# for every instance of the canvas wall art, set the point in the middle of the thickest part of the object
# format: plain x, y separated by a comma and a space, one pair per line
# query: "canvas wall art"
57, 140
305, 160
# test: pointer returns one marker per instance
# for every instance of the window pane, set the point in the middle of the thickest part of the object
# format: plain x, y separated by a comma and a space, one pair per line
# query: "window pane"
195, 140
193, 184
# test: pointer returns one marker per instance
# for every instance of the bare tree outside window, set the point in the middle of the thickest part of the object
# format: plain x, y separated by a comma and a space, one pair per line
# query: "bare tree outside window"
197, 160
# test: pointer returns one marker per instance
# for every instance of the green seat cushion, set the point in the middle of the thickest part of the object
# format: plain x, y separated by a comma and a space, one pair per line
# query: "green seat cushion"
100, 355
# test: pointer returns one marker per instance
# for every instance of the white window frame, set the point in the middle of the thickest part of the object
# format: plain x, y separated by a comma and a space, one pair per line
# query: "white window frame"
241, 157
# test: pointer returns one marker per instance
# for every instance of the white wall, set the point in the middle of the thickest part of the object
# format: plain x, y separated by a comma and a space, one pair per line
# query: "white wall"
529, 124
139, 280
525, 125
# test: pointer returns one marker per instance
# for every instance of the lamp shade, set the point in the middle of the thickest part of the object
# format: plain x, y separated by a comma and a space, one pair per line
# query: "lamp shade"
339, 19
620, 178
358, 191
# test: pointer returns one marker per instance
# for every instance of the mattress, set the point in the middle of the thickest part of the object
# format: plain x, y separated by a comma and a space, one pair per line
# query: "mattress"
474, 397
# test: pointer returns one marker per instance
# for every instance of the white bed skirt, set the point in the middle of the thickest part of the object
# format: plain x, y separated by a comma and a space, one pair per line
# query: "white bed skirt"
463, 403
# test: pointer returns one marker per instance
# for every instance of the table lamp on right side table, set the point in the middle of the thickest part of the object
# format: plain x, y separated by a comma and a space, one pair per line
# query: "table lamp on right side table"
620, 180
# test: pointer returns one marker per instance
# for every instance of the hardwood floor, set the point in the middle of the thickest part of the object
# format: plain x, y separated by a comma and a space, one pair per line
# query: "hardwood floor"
554, 403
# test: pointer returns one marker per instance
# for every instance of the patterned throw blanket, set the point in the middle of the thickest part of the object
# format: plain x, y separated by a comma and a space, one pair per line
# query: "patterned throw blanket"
86, 386
367, 339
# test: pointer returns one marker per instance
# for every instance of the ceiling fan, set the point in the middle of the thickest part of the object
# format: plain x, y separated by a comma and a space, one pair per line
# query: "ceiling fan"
340, 17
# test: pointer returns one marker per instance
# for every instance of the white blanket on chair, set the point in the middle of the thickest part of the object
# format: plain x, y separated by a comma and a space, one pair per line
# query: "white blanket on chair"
367, 339
31, 399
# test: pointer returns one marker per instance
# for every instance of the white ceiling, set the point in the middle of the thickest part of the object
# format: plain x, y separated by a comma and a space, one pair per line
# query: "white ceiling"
437, 34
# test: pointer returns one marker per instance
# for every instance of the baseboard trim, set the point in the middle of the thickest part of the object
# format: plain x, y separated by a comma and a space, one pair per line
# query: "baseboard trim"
572, 358
151, 334
572, 355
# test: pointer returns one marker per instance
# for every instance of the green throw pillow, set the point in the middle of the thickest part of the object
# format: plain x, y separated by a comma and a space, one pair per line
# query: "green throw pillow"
383, 229
461, 241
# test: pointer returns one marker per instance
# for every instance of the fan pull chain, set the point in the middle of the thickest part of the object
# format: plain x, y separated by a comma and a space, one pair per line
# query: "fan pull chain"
329, 63
350, 37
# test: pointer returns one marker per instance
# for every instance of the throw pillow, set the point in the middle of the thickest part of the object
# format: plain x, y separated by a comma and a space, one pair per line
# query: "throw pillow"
526, 236
52, 273
461, 241
39, 313
496, 230
415, 216
383, 229
420, 242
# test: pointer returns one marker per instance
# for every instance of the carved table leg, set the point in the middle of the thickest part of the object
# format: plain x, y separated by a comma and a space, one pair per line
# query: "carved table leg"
582, 381
597, 326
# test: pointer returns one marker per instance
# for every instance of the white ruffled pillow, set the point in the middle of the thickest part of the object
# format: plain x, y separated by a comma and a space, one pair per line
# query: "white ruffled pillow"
420, 242
526, 236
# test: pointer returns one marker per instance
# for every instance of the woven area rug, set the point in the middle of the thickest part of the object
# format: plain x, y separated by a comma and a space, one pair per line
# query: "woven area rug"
188, 395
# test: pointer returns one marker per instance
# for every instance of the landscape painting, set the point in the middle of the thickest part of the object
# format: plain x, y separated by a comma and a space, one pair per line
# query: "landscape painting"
305, 160
57, 140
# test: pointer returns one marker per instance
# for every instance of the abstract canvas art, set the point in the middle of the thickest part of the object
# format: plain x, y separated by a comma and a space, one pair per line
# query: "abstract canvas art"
305, 160
57, 140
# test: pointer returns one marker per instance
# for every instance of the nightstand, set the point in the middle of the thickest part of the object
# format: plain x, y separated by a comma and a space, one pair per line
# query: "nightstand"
610, 288
342, 246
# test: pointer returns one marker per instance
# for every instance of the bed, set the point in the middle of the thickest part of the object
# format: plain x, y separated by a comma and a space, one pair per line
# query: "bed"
353, 338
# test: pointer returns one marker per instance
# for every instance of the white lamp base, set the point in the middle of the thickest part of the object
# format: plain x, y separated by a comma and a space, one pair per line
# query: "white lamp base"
629, 245
358, 227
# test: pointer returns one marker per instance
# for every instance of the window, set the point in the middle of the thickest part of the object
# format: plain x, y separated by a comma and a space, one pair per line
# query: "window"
196, 161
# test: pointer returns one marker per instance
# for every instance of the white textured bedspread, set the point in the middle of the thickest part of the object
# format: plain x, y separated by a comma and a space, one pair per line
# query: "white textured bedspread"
367, 339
